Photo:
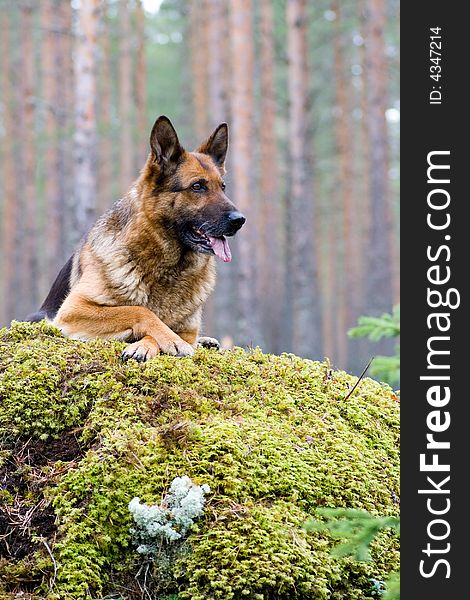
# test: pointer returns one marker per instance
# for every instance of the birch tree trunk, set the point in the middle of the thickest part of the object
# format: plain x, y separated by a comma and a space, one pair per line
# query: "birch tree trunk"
85, 116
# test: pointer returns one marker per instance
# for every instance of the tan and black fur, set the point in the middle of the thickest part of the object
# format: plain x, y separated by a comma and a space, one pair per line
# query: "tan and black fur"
145, 269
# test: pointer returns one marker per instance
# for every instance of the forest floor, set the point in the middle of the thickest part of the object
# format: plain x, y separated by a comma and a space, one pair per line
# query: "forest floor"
274, 437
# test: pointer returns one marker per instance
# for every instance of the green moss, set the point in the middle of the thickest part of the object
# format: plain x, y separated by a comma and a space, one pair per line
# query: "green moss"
273, 436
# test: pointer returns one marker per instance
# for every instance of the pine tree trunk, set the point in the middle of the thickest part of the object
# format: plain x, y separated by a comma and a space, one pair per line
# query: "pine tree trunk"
199, 42
141, 89
217, 62
85, 116
53, 234
126, 170
28, 269
328, 288
269, 256
243, 194
65, 106
363, 175
349, 279
340, 299
198, 15
10, 197
219, 304
106, 175
379, 284
302, 269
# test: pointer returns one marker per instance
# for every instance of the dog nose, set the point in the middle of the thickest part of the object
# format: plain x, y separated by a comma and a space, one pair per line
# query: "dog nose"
236, 219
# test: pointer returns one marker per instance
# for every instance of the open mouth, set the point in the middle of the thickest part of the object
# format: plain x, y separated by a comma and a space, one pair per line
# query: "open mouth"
210, 244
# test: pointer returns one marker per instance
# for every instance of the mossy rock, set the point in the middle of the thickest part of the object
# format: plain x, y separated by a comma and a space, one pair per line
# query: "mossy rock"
275, 437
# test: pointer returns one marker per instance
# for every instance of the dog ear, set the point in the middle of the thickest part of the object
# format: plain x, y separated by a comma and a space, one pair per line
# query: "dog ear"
164, 142
216, 146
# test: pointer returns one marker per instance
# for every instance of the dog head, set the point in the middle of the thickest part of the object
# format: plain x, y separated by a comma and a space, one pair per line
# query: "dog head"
189, 190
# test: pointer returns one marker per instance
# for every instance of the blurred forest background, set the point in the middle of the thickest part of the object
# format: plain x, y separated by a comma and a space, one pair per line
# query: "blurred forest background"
311, 94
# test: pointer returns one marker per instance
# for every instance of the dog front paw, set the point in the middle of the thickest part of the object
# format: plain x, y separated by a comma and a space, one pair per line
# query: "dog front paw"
142, 350
150, 346
175, 346
208, 342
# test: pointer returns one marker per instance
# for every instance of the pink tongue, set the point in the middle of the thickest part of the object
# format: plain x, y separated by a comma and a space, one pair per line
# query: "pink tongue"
221, 248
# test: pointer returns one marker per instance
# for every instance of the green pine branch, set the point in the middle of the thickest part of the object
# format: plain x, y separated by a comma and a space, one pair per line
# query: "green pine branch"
385, 368
376, 328
357, 530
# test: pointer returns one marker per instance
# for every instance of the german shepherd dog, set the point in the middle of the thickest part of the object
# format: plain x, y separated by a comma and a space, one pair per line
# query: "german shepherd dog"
146, 267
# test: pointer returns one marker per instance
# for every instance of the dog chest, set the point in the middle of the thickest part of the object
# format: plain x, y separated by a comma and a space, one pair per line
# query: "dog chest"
175, 297
173, 292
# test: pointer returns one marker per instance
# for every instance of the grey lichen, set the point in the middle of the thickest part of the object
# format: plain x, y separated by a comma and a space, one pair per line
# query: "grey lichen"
171, 521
